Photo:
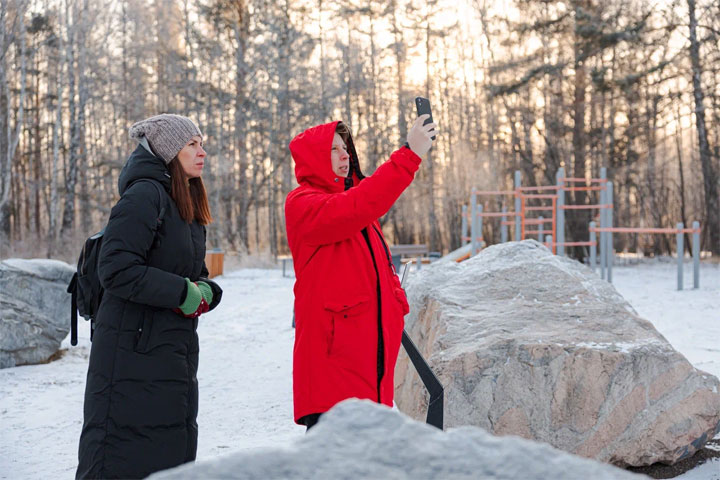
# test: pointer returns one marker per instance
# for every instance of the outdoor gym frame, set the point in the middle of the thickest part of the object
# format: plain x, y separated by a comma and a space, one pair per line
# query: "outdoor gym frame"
553, 235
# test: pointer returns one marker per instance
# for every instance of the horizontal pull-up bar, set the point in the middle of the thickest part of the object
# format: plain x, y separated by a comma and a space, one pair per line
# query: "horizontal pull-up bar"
536, 221
586, 207
540, 209
581, 180
583, 189
576, 244
645, 230
539, 195
494, 192
493, 214
537, 189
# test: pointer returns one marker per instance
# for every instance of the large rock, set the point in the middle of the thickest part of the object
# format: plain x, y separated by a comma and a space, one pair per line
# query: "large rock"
361, 440
527, 343
34, 310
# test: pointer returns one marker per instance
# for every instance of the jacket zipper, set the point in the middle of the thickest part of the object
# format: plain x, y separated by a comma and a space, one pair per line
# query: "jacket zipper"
381, 342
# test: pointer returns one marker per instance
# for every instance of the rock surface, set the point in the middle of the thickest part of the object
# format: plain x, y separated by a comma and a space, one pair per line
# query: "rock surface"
362, 440
34, 310
530, 344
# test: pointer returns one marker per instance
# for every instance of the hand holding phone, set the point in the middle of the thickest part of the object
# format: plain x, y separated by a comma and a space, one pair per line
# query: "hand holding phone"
422, 132
423, 108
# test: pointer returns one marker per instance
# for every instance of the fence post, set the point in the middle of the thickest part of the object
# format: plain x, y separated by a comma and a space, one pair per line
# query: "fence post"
518, 184
503, 226
560, 215
480, 226
473, 223
603, 224
541, 232
549, 241
593, 246
463, 242
680, 254
609, 239
696, 254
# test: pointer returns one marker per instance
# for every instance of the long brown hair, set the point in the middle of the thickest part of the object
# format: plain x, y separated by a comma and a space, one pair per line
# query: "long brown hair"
189, 195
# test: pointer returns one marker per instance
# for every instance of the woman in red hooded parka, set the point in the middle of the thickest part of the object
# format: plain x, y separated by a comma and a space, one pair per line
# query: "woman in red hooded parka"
349, 305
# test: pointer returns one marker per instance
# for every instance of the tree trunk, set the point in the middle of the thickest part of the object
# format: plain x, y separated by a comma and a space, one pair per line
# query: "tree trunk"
710, 175
12, 135
68, 220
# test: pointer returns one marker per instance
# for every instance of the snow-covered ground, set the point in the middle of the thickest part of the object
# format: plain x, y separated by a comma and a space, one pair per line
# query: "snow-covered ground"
246, 364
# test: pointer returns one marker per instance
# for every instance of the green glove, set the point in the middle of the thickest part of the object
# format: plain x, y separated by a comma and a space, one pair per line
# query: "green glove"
206, 292
192, 298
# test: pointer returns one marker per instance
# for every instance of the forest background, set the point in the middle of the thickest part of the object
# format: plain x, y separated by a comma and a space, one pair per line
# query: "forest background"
529, 85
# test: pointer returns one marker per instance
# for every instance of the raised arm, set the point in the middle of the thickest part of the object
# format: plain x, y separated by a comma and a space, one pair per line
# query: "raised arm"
320, 218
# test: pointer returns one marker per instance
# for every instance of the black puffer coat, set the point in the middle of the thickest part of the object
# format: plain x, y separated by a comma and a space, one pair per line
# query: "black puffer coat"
141, 397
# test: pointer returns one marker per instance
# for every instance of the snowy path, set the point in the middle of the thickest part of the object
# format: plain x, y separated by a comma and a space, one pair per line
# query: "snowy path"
246, 364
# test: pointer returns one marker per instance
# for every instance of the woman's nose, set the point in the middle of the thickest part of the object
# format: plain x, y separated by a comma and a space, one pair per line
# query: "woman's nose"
201, 152
345, 155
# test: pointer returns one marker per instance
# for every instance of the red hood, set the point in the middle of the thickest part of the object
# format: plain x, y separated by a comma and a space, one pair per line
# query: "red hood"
311, 152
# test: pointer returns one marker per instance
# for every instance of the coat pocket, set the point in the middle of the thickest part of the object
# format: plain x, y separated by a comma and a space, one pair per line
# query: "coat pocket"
142, 336
400, 295
346, 324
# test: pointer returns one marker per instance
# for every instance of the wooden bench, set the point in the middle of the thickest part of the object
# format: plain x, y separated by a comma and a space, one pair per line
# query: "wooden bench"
419, 252
214, 260
285, 259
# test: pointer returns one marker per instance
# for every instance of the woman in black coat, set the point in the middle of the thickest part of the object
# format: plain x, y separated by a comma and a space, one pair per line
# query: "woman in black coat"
141, 397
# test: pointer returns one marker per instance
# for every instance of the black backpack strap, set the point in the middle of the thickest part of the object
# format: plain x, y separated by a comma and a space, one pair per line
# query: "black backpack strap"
72, 289
161, 193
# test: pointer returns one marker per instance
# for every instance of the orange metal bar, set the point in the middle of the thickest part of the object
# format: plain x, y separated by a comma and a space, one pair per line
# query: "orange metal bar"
575, 244
586, 207
540, 195
539, 209
583, 189
535, 221
496, 192
507, 223
645, 230
493, 214
540, 188
581, 180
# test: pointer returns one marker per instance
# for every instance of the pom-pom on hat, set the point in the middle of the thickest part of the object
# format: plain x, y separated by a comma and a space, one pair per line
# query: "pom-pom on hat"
167, 133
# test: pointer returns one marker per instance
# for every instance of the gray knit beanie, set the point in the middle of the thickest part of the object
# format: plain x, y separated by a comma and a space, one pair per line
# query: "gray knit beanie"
167, 133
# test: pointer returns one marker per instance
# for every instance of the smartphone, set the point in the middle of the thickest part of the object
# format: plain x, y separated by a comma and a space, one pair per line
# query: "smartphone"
423, 107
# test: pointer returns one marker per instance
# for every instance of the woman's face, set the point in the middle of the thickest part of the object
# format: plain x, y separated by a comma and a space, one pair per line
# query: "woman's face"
192, 157
339, 157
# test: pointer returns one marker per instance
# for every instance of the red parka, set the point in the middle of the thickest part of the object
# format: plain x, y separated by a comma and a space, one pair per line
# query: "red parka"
349, 305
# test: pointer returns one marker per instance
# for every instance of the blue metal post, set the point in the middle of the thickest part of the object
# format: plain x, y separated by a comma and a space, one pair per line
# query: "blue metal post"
603, 223
680, 254
696, 254
609, 239
473, 223
560, 212
480, 226
518, 184
540, 229
503, 226
549, 241
593, 247
464, 233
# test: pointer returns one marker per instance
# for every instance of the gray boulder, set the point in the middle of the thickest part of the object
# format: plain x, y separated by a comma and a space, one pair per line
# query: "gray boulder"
35, 309
359, 439
530, 344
